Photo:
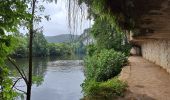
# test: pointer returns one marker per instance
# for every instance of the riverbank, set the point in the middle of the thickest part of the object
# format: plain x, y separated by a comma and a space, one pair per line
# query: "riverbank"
146, 80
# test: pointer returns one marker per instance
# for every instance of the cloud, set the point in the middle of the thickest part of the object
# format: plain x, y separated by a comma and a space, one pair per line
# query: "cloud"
58, 23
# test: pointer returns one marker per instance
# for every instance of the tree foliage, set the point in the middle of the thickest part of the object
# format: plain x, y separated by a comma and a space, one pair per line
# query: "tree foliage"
104, 65
12, 13
119, 12
108, 90
41, 48
21, 49
107, 37
107, 57
40, 45
59, 49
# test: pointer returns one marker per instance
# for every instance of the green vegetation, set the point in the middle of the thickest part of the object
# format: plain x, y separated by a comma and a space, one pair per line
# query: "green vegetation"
80, 48
59, 49
11, 15
41, 47
21, 49
100, 70
105, 58
63, 38
124, 15
104, 90
107, 37
104, 65
108, 55
118, 12
65, 44
5, 82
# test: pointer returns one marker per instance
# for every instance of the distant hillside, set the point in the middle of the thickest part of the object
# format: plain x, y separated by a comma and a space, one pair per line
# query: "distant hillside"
61, 38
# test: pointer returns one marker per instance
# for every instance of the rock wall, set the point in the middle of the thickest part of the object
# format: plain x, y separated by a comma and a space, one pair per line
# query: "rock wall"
157, 51
135, 51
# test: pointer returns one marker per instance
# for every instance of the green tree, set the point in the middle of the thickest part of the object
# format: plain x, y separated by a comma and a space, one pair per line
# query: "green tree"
22, 48
59, 49
107, 37
40, 45
109, 54
31, 32
11, 14
35, 19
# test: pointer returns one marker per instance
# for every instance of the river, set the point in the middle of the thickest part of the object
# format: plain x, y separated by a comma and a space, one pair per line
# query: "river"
58, 78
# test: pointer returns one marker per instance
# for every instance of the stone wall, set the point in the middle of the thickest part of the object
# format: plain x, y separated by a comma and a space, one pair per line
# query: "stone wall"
135, 51
157, 51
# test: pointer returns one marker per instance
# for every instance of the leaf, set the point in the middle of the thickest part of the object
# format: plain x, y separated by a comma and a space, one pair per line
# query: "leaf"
47, 17
2, 31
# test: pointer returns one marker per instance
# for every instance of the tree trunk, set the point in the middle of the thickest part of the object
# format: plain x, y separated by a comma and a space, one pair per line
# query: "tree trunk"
31, 31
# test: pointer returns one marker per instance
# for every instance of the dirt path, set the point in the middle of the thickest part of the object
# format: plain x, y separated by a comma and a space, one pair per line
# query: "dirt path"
146, 80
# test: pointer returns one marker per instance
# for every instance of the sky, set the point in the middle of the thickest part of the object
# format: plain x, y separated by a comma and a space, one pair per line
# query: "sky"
59, 23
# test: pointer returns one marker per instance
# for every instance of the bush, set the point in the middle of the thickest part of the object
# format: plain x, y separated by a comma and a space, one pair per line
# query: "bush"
91, 49
111, 88
104, 65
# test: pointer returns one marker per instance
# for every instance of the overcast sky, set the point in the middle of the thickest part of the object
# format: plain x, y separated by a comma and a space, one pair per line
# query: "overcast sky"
58, 23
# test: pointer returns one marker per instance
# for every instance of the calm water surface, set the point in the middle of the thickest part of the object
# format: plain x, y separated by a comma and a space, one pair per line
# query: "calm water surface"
60, 78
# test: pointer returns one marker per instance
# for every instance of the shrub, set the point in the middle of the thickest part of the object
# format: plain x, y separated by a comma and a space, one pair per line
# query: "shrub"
104, 65
111, 88
91, 49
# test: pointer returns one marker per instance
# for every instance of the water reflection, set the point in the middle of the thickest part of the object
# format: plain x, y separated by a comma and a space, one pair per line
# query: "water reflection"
58, 79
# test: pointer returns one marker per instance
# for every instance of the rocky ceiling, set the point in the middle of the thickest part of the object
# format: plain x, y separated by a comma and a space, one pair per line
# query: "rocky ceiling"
153, 18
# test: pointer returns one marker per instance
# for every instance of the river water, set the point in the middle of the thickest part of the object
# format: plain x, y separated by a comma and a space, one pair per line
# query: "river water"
58, 78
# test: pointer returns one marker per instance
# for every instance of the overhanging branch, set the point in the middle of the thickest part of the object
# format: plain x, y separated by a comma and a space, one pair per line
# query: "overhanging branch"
16, 66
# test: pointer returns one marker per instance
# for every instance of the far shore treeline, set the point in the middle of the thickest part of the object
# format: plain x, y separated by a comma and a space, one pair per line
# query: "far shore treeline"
42, 48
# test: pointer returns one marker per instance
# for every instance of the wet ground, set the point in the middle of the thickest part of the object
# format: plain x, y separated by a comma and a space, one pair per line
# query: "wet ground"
146, 80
